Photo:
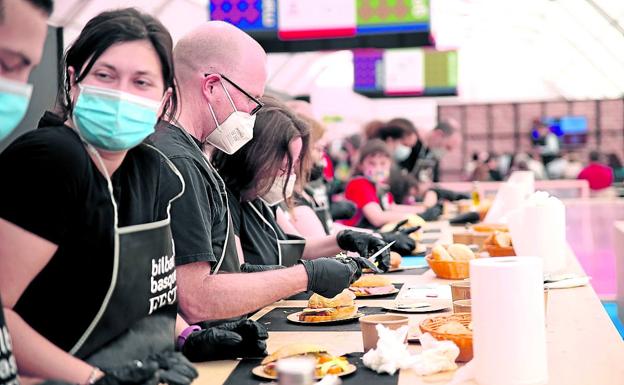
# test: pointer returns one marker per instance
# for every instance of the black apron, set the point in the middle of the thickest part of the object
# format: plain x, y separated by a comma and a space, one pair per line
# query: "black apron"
137, 316
320, 204
289, 247
8, 367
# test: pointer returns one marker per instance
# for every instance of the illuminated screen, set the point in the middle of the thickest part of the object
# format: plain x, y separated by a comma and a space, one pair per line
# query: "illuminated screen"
405, 72
248, 15
319, 25
368, 69
440, 72
297, 20
391, 16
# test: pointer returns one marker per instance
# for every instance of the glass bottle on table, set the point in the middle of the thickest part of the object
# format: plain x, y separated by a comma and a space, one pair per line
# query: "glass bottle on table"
476, 196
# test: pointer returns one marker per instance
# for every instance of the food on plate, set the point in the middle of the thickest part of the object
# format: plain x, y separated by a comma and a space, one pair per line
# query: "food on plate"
372, 284
500, 239
453, 327
325, 362
395, 259
460, 252
439, 253
321, 309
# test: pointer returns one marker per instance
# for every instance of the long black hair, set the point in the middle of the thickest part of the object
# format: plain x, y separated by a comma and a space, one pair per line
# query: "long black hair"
252, 170
109, 28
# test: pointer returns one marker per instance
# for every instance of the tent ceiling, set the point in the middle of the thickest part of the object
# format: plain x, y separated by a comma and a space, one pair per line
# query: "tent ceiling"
509, 49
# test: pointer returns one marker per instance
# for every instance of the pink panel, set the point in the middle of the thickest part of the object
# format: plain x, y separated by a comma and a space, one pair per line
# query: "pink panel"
476, 119
612, 115
502, 118
527, 112
588, 109
555, 109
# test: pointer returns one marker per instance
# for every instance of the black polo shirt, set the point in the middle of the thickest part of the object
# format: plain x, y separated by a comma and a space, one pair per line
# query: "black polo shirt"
199, 218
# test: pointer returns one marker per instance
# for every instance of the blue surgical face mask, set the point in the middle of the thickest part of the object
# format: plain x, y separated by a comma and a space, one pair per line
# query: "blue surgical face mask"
14, 99
113, 120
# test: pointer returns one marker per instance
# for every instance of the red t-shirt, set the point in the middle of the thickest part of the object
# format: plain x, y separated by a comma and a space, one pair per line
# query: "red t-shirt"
362, 191
599, 176
328, 172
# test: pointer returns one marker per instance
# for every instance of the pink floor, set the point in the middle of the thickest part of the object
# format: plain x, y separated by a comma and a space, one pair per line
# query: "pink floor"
590, 234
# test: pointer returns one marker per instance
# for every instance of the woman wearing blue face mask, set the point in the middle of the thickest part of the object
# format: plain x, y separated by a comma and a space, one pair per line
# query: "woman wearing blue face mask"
87, 270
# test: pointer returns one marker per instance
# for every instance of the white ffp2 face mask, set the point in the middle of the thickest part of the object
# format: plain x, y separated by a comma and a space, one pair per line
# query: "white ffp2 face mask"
235, 131
402, 152
274, 196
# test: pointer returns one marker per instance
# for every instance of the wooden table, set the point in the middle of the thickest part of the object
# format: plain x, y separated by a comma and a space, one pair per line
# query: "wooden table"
583, 345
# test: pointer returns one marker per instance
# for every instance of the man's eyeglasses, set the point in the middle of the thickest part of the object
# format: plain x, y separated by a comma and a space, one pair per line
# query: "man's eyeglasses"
259, 104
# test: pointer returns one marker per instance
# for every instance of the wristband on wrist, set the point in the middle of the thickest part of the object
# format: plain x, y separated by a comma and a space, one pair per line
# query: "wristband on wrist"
93, 376
185, 333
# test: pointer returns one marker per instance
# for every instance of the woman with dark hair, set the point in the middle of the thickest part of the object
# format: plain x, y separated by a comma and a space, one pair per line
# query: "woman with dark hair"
263, 174
86, 256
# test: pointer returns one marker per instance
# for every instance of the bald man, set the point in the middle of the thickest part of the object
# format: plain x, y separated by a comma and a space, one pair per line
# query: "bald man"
23, 28
221, 73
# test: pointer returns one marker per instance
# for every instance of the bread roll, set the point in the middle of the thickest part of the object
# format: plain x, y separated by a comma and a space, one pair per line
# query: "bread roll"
502, 239
329, 314
453, 327
345, 298
293, 350
395, 259
460, 252
439, 253
372, 280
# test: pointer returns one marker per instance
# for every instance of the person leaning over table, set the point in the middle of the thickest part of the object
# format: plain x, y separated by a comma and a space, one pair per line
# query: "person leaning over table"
260, 176
23, 26
221, 72
307, 214
81, 194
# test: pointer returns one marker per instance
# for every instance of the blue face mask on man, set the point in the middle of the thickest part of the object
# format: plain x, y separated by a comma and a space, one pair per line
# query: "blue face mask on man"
14, 99
114, 120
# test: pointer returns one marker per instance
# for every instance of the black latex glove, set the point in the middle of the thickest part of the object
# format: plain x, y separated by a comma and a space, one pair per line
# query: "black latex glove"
137, 372
364, 244
444, 194
175, 369
249, 268
238, 339
403, 244
342, 210
469, 217
432, 213
330, 276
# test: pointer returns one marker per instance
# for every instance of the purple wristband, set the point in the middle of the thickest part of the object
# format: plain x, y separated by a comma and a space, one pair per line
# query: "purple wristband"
185, 333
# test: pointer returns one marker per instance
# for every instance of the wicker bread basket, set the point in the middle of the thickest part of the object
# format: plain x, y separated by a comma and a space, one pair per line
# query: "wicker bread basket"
463, 341
500, 251
449, 269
